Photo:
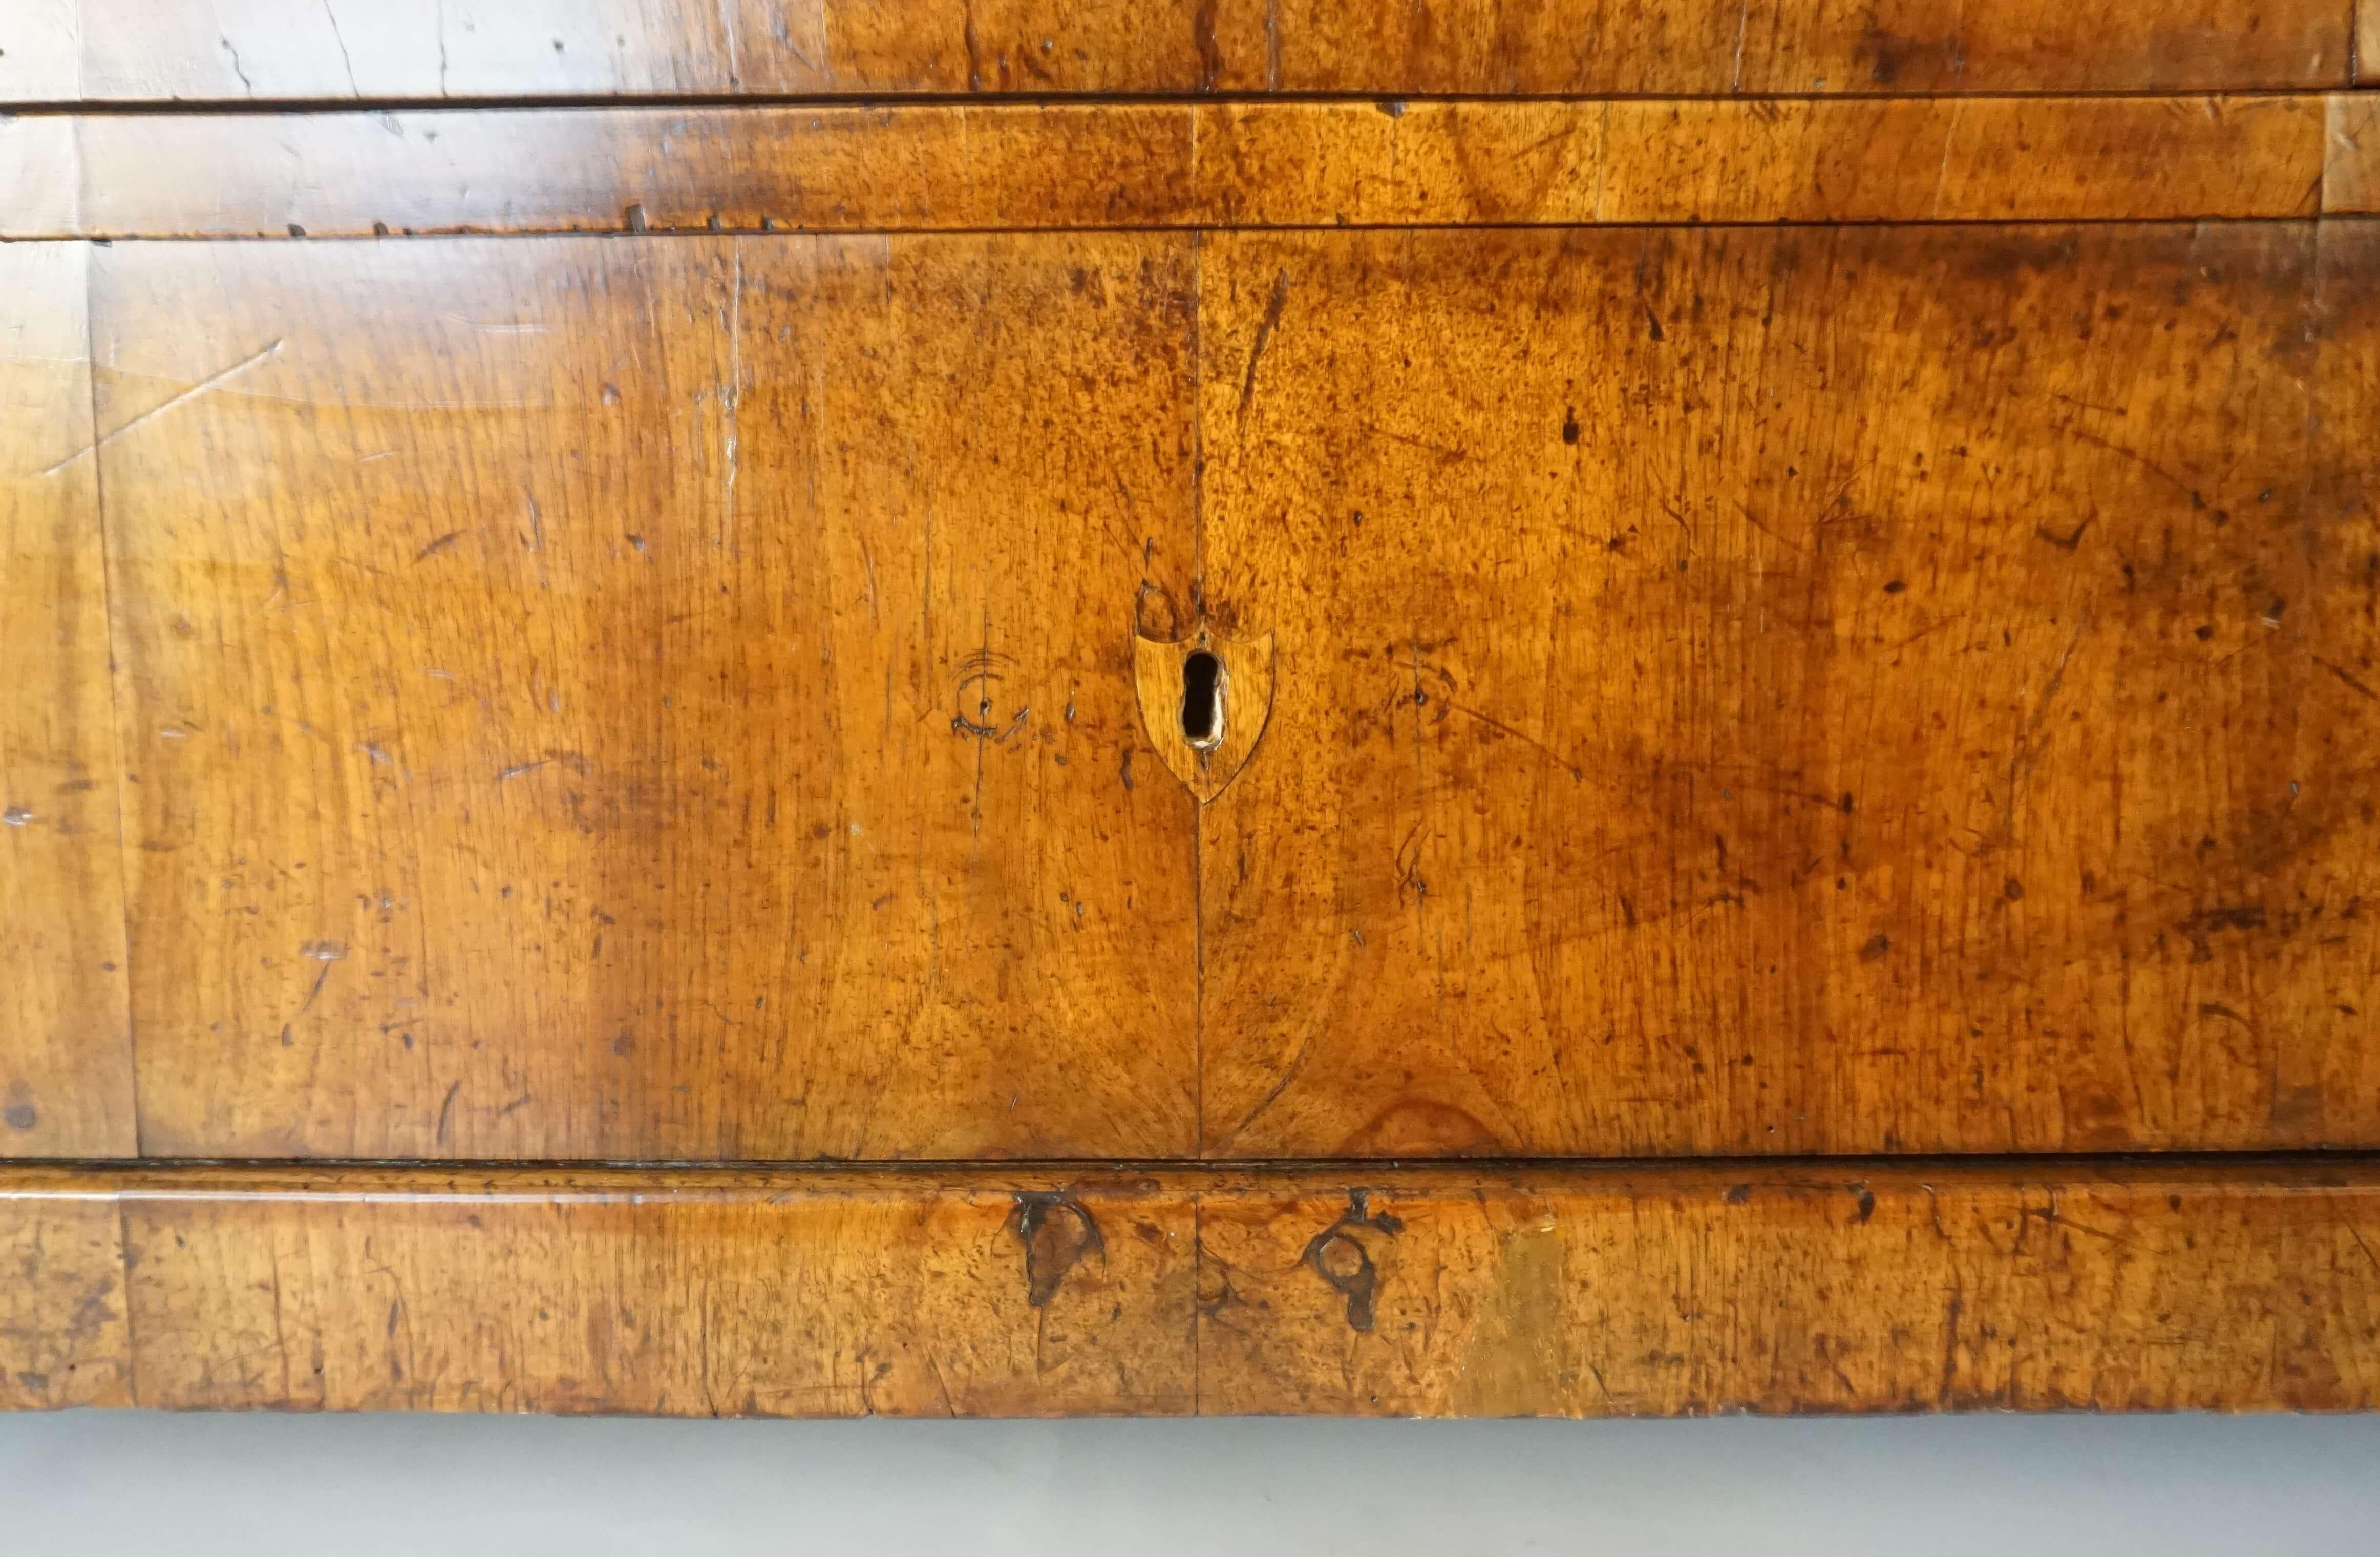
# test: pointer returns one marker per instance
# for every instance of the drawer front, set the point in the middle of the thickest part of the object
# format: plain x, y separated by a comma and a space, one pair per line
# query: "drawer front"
1737, 690
694, 695
1846, 691
650, 698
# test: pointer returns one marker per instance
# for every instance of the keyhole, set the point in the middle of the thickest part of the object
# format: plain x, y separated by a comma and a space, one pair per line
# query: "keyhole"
1202, 701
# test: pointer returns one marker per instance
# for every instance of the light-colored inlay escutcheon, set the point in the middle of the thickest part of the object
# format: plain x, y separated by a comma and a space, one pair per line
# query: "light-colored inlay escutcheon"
1205, 699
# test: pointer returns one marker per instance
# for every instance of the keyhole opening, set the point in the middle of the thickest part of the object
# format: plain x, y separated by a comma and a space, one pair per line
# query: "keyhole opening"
1202, 701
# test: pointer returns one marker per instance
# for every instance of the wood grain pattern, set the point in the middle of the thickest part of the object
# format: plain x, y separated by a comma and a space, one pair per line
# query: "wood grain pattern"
66, 1056
1537, 1290
64, 1335
2351, 172
1189, 165
569, 170
886, 1297
1903, 159
1702, 47
1791, 692
650, 698
246, 50
1713, 1290
239, 50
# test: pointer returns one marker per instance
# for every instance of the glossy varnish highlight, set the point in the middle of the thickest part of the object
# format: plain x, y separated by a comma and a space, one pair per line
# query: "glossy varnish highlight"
230, 51
1181, 165
65, 1056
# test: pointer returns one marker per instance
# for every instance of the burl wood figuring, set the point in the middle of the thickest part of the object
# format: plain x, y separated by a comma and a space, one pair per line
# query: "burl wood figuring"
1500, 707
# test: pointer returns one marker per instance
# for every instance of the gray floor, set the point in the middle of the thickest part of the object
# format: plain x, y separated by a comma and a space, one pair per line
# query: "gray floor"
92, 1482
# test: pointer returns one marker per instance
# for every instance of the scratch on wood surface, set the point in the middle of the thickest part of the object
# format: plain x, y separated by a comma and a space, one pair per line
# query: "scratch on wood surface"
345, 59
1950, 145
729, 24
1288, 1075
2174, 482
1264, 338
2027, 755
211, 382
2341, 672
1499, 726
734, 393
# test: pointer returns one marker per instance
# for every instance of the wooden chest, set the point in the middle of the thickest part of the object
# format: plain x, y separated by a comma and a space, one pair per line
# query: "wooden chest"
1482, 707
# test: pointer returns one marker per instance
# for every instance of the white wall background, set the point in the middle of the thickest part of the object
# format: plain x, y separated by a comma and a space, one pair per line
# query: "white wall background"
260, 1486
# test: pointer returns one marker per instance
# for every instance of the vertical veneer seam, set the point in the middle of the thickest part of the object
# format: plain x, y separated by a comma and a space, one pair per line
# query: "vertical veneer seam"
124, 798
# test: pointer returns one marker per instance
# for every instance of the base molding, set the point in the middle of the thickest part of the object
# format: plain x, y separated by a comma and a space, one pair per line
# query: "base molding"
1364, 1289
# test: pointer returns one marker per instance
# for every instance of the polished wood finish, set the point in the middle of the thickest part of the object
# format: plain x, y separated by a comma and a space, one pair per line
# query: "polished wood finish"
1192, 166
1962, 751
738, 1296
1791, 692
2351, 182
1820, 1288
1795, 588
664, 698
248, 50
1905, 160
66, 1055
1556, 1291
1705, 47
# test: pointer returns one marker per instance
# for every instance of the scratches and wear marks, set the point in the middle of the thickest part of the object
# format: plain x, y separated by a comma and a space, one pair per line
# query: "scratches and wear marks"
2196, 500
730, 24
732, 398
2199, 927
340, 38
2348, 677
1288, 1076
980, 675
1056, 1231
2027, 754
1341, 1258
327, 953
962, 724
238, 68
1521, 1353
211, 381
1270, 322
